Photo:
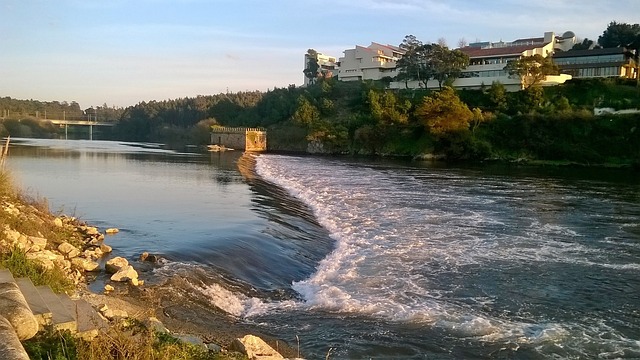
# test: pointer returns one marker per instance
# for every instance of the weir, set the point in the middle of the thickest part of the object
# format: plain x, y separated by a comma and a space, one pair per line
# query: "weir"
239, 138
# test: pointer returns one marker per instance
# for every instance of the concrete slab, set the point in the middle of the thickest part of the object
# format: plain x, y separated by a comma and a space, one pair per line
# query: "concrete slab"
62, 319
35, 301
5, 276
89, 320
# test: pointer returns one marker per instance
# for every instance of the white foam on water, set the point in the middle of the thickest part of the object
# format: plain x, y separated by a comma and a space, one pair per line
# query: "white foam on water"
394, 236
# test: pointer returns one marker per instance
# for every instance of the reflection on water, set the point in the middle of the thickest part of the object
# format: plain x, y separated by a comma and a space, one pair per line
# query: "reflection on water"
190, 208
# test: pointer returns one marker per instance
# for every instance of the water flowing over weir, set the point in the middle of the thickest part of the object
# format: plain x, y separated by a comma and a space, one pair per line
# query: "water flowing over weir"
375, 259
499, 263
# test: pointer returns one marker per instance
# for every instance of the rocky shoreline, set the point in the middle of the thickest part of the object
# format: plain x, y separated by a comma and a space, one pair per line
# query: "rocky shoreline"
79, 251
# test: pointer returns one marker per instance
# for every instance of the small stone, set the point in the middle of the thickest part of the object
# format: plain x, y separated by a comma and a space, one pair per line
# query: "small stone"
108, 288
91, 230
145, 256
134, 281
57, 222
105, 248
214, 348
103, 307
112, 231
115, 314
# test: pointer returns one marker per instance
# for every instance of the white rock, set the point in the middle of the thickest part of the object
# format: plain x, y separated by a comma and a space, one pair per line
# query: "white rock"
112, 231
38, 241
114, 265
57, 222
68, 250
91, 230
115, 314
85, 264
108, 288
125, 274
255, 348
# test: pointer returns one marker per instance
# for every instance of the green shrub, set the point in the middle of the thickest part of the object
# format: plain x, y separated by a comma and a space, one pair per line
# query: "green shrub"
16, 260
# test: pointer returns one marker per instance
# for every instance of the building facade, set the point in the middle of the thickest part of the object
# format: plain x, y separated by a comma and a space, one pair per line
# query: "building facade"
373, 62
610, 62
486, 65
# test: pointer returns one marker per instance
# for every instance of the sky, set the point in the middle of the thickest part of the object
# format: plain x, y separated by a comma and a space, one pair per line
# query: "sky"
122, 52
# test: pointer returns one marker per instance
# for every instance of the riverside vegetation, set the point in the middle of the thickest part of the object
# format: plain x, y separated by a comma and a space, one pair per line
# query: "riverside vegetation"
24, 217
553, 124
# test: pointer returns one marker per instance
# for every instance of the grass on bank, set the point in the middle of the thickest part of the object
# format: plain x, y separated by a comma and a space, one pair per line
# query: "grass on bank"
128, 340
20, 266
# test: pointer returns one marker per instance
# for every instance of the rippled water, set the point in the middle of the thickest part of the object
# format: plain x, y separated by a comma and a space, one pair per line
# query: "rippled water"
376, 259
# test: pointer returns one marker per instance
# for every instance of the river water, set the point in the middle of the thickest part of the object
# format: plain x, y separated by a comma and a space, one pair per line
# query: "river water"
371, 259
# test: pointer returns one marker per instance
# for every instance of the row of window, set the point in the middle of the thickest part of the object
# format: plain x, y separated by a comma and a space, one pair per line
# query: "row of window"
491, 61
589, 59
485, 73
594, 72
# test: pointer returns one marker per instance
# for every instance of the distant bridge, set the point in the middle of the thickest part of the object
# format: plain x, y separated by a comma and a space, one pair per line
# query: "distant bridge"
81, 122
89, 123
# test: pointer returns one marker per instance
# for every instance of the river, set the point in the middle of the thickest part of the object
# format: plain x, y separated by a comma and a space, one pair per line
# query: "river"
371, 258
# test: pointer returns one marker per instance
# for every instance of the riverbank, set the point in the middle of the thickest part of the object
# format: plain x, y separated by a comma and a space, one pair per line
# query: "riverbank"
62, 245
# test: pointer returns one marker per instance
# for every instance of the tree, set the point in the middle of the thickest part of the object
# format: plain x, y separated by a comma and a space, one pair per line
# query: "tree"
498, 95
444, 112
586, 44
620, 35
532, 70
312, 66
446, 65
305, 113
408, 65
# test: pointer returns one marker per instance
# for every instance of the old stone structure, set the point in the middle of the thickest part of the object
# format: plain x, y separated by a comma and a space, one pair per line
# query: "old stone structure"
248, 139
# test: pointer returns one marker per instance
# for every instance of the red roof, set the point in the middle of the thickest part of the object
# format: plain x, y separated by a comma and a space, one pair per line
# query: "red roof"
475, 52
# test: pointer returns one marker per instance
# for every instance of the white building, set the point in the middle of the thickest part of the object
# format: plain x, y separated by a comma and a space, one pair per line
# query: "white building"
327, 66
373, 62
486, 62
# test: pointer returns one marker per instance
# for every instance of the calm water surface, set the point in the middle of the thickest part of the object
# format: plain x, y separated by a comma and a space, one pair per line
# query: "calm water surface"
375, 259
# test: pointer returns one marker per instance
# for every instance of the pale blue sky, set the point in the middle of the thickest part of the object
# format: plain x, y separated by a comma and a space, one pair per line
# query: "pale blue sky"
125, 51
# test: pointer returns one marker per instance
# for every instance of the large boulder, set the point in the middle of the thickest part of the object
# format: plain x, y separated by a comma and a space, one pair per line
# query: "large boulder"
255, 348
14, 308
114, 265
10, 346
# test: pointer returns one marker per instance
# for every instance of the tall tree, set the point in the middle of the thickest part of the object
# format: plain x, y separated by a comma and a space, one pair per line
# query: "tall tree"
409, 65
446, 64
620, 35
532, 70
312, 66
